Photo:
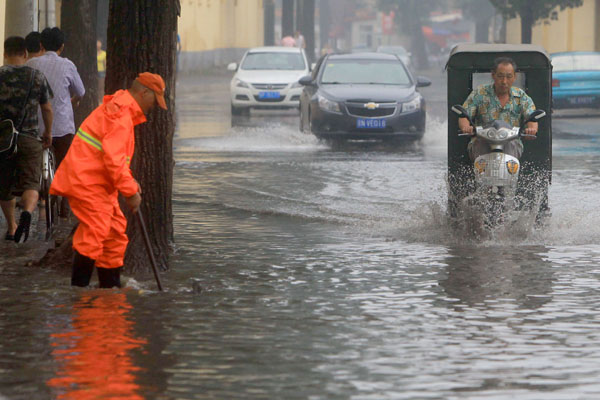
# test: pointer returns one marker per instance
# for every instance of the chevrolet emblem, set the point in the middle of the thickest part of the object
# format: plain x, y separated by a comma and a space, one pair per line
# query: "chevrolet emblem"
371, 106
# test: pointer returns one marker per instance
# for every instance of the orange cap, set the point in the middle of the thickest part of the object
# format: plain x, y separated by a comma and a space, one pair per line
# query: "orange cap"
155, 83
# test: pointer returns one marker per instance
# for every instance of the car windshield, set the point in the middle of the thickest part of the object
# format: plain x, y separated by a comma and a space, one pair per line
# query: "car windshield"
578, 62
372, 72
272, 60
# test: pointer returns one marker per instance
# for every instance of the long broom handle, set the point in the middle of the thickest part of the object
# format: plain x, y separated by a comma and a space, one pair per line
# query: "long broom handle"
149, 248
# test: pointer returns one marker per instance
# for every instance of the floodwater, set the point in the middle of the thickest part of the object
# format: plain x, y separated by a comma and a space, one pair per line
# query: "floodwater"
306, 272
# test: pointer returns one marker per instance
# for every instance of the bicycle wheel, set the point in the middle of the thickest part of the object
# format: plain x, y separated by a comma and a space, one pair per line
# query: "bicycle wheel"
51, 202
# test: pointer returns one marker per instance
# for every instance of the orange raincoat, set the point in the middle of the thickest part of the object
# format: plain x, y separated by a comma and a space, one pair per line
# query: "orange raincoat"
94, 171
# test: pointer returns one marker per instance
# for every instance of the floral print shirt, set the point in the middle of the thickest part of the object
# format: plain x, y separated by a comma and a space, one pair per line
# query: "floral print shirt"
484, 107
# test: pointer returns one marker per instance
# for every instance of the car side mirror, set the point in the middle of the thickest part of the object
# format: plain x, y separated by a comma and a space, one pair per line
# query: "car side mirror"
536, 115
232, 67
423, 82
306, 81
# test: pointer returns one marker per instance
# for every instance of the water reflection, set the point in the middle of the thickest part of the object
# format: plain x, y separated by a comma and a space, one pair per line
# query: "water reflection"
95, 353
478, 275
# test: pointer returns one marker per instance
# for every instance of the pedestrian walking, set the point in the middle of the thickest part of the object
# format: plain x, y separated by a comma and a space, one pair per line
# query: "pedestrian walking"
299, 38
101, 60
66, 85
34, 45
22, 91
68, 90
96, 169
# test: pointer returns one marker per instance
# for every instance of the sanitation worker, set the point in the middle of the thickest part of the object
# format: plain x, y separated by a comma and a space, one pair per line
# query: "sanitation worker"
96, 169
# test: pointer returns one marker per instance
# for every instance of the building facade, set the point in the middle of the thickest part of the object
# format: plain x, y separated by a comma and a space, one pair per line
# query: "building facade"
216, 32
576, 29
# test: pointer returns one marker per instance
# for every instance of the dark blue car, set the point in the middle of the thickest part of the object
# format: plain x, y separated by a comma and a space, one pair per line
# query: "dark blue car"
576, 79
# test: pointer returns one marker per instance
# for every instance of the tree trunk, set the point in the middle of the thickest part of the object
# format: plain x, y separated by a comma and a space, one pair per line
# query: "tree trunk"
324, 22
299, 15
142, 36
482, 31
308, 28
526, 23
287, 18
418, 39
80, 47
269, 22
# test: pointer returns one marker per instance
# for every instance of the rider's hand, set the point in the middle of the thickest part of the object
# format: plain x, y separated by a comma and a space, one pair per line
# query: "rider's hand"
134, 202
464, 125
47, 140
531, 129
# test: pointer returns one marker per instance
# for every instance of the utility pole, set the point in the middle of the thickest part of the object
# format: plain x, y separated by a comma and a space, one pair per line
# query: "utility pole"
20, 17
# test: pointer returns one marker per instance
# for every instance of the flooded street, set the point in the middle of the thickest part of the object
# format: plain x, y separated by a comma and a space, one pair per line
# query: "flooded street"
303, 271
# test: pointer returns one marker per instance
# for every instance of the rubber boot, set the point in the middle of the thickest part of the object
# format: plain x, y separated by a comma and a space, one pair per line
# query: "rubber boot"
109, 277
83, 267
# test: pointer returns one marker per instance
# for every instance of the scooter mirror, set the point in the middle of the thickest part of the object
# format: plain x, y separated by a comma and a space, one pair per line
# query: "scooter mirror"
459, 110
536, 115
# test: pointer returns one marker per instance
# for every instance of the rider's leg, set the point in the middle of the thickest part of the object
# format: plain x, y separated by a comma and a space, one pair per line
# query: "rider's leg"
8, 208
477, 147
514, 148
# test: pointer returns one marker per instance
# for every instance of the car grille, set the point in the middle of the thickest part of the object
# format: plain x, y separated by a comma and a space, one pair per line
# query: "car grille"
383, 110
269, 86
269, 100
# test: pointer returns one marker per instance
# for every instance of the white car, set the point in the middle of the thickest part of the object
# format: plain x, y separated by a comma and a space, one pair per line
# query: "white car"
267, 78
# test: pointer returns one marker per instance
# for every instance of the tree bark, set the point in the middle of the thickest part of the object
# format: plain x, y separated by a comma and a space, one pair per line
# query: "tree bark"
142, 36
80, 47
287, 18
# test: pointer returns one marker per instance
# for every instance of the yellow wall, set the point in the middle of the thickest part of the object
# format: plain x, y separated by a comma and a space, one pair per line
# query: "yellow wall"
2, 12
220, 24
575, 30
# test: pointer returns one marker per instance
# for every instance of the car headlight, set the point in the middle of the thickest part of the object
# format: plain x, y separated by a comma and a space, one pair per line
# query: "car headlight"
328, 105
240, 83
412, 105
295, 85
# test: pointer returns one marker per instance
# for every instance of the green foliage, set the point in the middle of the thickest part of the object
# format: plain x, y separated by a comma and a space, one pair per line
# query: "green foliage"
538, 9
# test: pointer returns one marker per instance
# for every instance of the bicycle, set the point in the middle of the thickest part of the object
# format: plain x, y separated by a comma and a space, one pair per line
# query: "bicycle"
51, 201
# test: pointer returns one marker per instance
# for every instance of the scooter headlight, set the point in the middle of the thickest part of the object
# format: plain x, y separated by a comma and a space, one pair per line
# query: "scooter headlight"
512, 167
480, 166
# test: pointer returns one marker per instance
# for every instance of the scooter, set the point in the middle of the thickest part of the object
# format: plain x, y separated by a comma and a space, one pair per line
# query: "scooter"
496, 173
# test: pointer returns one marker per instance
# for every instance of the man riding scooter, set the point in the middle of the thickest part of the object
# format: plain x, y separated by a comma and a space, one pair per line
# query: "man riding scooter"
498, 101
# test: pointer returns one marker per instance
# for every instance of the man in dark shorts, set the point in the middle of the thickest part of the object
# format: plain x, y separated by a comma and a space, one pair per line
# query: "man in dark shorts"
22, 91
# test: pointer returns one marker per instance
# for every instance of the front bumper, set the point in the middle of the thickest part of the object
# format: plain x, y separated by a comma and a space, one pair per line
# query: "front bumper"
401, 125
250, 98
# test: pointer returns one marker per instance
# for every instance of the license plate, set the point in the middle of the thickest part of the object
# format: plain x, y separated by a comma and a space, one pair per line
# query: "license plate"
370, 123
269, 95
581, 100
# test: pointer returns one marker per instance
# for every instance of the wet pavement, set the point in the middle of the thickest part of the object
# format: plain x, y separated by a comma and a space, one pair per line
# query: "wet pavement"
308, 272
